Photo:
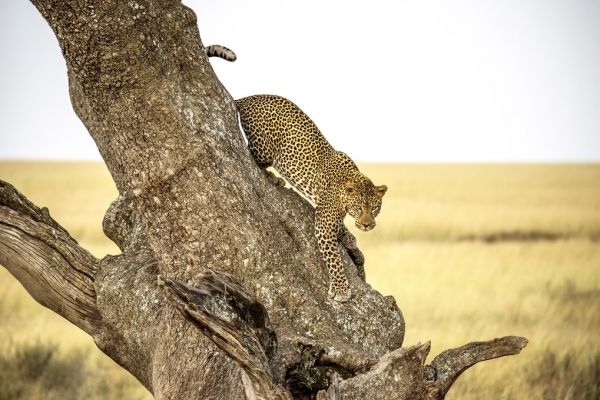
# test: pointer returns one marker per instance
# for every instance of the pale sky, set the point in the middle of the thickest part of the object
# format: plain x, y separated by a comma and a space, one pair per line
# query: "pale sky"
422, 80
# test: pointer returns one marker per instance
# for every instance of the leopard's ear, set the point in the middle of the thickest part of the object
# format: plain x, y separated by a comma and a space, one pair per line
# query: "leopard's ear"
381, 190
350, 187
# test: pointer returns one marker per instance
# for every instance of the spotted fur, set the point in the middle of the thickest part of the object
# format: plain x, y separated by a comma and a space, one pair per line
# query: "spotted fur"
221, 51
281, 135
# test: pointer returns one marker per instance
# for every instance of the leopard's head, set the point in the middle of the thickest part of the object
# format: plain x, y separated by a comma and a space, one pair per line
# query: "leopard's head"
362, 200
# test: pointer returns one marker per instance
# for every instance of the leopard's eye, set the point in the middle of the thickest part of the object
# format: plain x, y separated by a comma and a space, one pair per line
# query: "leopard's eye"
376, 207
350, 188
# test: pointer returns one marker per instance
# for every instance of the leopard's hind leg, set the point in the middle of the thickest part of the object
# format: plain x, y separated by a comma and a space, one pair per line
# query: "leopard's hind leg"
274, 179
265, 160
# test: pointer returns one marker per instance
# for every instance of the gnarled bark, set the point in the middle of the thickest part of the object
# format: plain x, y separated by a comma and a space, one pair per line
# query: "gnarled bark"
47, 260
191, 201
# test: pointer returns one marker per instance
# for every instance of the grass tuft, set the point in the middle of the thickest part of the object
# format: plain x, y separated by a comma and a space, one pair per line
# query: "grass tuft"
30, 370
41, 370
565, 376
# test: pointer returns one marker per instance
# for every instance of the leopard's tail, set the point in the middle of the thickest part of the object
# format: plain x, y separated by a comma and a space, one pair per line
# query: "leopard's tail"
220, 51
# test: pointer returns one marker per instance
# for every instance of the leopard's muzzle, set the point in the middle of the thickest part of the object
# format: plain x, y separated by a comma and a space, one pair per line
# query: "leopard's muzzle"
365, 222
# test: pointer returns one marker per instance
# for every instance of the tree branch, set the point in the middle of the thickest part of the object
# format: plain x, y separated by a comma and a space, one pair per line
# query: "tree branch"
400, 374
448, 365
47, 261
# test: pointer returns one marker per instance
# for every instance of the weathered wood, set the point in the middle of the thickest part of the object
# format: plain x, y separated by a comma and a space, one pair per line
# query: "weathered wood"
47, 261
236, 322
447, 366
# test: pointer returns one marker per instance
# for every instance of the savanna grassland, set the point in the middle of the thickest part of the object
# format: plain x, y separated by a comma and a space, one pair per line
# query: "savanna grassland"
470, 252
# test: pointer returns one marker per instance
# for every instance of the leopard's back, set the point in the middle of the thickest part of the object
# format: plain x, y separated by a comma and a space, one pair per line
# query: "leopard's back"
280, 134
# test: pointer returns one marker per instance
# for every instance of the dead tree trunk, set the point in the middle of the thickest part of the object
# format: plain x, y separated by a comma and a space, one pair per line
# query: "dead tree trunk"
220, 292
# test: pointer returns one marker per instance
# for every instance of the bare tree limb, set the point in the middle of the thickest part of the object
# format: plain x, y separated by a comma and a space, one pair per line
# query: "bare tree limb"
47, 261
401, 375
448, 365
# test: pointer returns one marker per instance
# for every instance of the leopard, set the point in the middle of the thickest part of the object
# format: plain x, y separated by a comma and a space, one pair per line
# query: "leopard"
280, 135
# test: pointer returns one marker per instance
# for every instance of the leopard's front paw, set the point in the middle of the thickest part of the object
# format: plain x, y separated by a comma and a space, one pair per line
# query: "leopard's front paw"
340, 294
343, 297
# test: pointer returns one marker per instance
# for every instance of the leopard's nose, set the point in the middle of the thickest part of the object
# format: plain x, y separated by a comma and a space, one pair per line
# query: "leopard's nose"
365, 226
365, 222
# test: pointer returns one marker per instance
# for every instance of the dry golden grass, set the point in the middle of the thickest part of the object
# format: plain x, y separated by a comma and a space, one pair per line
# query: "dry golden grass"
77, 195
449, 201
428, 251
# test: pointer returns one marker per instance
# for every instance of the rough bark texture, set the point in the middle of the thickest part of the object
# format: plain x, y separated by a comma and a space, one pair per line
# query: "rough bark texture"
193, 201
